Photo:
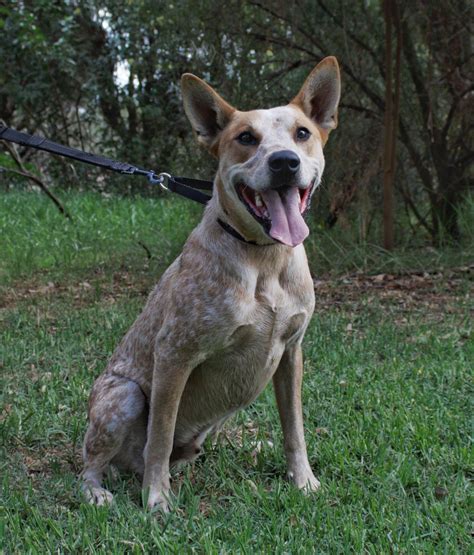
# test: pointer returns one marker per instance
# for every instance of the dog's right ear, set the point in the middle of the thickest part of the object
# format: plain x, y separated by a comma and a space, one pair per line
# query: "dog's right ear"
206, 110
320, 94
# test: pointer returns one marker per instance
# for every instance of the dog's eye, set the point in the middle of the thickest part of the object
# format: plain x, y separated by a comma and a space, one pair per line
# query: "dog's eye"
302, 134
246, 138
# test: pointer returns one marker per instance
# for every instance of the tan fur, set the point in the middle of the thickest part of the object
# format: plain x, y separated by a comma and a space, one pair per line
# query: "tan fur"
225, 318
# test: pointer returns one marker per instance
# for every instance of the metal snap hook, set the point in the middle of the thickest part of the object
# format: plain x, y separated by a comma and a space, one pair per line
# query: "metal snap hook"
161, 179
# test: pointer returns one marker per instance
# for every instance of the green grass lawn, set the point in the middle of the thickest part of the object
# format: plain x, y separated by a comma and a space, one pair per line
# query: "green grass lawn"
387, 400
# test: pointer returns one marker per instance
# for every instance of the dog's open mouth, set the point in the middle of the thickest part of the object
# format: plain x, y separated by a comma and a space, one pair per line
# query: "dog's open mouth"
279, 211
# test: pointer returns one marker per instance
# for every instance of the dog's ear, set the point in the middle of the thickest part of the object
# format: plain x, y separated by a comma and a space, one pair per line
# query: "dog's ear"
320, 93
206, 110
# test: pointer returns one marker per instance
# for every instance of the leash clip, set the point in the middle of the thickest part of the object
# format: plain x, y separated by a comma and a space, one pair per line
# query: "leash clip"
161, 179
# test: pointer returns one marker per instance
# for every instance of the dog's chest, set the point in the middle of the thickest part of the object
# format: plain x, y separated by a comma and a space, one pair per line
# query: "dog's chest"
266, 324
237, 372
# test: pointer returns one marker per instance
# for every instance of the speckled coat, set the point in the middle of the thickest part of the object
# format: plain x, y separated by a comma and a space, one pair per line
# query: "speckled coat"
226, 317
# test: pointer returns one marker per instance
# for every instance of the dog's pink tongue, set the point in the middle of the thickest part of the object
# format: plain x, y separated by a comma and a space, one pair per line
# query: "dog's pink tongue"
288, 225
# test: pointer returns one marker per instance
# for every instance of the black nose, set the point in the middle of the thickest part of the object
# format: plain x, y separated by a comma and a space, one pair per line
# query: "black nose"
284, 164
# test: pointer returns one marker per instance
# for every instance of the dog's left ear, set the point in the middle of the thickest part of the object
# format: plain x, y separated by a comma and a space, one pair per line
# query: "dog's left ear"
319, 96
206, 110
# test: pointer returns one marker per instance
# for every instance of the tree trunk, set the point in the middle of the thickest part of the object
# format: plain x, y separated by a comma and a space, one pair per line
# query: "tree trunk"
388, 168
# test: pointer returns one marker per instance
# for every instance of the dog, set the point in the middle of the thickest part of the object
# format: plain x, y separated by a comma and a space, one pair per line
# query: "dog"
230, 313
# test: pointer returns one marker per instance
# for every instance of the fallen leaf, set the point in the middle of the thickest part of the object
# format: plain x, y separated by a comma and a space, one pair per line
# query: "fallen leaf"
253, 486
440, 492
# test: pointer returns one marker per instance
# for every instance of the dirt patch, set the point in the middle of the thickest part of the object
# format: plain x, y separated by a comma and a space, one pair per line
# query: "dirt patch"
436, 293
45, 461
106, 288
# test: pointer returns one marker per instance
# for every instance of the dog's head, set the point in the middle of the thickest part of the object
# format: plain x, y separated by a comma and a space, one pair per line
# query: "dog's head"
270, 161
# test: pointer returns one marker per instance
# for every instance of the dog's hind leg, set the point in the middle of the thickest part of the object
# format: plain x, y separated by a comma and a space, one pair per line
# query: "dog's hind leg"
115, 406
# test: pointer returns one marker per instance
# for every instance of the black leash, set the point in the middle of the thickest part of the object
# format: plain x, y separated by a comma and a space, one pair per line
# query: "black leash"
184, 186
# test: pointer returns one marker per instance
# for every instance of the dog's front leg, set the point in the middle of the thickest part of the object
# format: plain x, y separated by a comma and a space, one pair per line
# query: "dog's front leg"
287, 383
169, 380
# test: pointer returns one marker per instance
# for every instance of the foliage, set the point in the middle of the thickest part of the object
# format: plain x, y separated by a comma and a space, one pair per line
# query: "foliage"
104, 75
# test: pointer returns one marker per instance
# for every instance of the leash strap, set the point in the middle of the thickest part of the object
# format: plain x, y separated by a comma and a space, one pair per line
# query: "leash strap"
41, 143
184, 186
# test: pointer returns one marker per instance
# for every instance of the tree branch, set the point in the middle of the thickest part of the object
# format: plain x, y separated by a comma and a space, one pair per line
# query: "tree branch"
422, 170
421, 219
358, 108
416, 73
32, 177
353, 37
452, 111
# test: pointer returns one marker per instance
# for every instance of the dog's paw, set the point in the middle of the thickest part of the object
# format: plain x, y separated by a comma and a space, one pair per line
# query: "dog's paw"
98, 496
305, 481
157, 499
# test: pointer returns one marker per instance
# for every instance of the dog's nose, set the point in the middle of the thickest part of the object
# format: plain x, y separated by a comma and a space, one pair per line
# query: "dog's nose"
284, 163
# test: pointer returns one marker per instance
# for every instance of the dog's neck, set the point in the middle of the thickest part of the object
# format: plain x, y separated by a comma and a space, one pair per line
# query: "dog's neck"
211, 236
230, 220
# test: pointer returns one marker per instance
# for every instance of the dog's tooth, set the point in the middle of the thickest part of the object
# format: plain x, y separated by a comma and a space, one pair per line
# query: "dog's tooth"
258, 200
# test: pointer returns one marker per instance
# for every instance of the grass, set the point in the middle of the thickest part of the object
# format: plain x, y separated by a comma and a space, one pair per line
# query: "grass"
110, 233
386, 400
106, 231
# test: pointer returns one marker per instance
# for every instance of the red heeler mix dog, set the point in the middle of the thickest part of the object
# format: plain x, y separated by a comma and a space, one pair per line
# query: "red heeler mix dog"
230, 313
